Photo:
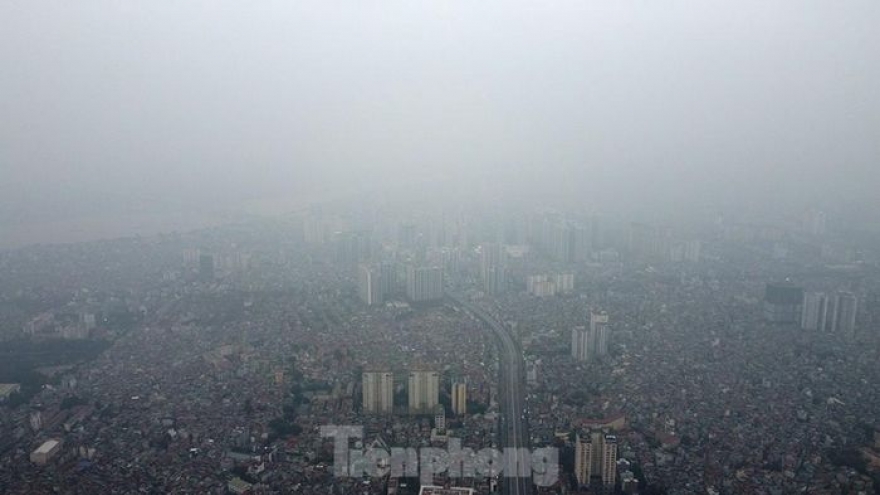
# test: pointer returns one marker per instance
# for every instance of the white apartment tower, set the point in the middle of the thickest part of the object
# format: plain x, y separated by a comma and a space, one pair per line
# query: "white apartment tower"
378, 392
424, 283
814, 311
591, 343
595, 458
459, 398
424, 391
830, 313
599, 331
370, 284
581, 348
843, 319
493, 271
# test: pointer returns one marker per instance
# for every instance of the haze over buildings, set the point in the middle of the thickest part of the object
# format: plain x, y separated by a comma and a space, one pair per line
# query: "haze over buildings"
124, 118
642, 237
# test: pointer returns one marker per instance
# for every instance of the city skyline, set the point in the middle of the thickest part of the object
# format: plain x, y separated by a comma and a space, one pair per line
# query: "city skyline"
445, 248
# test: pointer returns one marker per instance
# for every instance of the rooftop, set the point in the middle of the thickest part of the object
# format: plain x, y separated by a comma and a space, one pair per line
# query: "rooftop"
47, 447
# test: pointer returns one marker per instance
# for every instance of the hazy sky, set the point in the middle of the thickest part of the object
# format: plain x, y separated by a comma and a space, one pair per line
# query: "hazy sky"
217, 102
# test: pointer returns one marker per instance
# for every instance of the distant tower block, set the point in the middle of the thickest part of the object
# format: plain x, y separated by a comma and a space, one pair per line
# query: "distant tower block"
599, 331
595, 458
370, 284
588, 343
783, 303
440, 419
424, 283
378, 392
459, 399
423, 391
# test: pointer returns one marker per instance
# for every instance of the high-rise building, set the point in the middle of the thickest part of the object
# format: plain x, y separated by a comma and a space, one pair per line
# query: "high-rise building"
564, 282
693, 251
424, 283
685, 251
599, 331
493, 268
370, 284
423, 391
440, 419
565, 240
191, 257
588, 343
532, 282
843, 318
318, 227
595, 458
378, 391
609, 460
459, 398
352, 248
550, 285
782, 303
544, 288
814, 311
448, 258
830, 313
387, 279
581, 346
650, 242
550, 236
561, 241
540, 286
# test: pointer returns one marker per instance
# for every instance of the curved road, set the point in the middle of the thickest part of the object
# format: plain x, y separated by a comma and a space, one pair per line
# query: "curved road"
514, 427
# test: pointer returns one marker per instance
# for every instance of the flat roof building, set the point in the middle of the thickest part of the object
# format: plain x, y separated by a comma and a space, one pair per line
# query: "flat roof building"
45, 452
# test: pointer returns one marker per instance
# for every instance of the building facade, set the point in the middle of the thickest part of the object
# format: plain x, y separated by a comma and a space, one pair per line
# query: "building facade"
378, 392
424, 391
370, 284
459, 399
834, 313
589, 343
595, 458
424, 283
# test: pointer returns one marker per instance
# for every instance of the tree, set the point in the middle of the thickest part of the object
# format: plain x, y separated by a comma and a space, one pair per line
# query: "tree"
849, 457
282, 428
476, 408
